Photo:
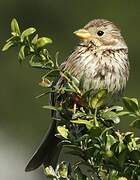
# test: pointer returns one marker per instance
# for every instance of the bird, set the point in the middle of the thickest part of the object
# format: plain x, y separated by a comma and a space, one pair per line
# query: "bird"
101, 56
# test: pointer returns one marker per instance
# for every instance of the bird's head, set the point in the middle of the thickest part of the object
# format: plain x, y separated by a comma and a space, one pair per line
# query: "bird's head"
100, 33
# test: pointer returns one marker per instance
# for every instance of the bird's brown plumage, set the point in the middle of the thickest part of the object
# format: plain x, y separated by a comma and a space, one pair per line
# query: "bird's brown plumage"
102, 58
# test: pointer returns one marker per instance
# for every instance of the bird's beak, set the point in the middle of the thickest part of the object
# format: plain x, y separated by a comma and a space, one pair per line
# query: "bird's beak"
83, 34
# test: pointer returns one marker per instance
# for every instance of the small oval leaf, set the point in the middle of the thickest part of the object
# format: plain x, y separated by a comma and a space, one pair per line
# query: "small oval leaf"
21, 54
89, 124
63, 131
131, 104
42, 42
27, 32
98, 99
15, 27
34, 40
63, 170
110, 115
7, 45
49, 171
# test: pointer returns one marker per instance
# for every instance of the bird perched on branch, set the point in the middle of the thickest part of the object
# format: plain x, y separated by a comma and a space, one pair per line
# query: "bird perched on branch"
102, 58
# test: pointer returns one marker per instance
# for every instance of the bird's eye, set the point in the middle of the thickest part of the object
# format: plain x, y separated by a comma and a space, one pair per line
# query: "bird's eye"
100, 33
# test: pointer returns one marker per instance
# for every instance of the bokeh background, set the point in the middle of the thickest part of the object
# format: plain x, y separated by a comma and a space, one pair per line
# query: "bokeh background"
22, 120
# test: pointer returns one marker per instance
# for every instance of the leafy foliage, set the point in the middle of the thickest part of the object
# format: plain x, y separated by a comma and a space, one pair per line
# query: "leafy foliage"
88, 126
30, 45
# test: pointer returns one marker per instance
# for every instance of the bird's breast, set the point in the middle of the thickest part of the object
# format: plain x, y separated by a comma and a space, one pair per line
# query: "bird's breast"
101, 70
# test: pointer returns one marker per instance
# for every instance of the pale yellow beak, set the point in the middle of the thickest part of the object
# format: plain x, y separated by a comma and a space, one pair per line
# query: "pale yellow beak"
83, 34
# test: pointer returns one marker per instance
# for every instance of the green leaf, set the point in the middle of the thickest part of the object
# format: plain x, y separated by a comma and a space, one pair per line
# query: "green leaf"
110, 140
123, 113
49, 171
56, 60
28, 32
113, 175
21, 54
51, 108
132, 105
36, 64
89, 124
7, 46
110, 115
121, 146
42, 42
78, 115
11, 39
34, 40
136, 124
122, 178
15, 27
98, 99
63, 170
63, 131
122, 157
116, 108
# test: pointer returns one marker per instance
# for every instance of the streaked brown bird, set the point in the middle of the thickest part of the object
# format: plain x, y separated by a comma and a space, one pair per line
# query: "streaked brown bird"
102, 58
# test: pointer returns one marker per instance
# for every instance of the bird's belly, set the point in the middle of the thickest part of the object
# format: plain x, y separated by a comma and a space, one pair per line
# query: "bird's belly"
109, 81
100, 74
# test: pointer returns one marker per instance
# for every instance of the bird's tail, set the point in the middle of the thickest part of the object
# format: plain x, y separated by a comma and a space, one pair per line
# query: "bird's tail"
48, 151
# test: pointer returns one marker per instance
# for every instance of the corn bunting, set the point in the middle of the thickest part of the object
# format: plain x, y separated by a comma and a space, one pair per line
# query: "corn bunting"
102, 58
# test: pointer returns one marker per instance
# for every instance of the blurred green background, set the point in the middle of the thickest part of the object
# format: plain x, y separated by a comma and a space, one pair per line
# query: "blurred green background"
22, 120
